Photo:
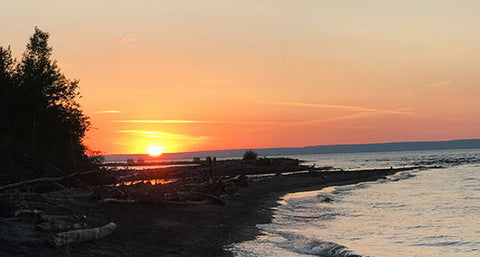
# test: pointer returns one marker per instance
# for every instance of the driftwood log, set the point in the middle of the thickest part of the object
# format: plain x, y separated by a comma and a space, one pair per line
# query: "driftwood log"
82, 235
59, 226
33, 216
115, 200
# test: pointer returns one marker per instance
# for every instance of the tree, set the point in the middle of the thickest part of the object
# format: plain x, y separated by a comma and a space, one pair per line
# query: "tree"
6, 84
9, 96
49, 124
7, 65
249, 155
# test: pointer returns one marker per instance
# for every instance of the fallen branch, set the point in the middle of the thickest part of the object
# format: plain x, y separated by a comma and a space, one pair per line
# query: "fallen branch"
82, 235
46, 179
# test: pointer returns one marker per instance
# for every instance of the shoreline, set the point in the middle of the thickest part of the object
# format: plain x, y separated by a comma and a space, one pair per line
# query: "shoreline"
182, 229
254, 204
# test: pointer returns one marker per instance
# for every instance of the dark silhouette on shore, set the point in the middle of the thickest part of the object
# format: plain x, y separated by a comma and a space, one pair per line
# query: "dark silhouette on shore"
41, 123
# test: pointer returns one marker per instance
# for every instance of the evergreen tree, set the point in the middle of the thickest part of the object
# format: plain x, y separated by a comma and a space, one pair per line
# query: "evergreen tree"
42, 107
8, 103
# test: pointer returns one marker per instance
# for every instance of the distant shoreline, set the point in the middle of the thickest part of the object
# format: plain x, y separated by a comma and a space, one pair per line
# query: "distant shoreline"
319, 149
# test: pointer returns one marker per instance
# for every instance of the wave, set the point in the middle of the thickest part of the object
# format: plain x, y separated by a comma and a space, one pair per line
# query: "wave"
305, 245
400, 175
290, 243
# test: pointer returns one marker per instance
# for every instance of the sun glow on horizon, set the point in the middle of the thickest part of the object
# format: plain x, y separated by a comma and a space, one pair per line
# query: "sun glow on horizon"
155, 150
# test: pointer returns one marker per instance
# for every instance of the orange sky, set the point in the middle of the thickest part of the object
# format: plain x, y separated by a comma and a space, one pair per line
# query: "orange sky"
204, 75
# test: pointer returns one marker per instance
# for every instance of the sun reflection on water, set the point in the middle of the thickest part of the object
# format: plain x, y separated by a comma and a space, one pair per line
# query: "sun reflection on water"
146, 181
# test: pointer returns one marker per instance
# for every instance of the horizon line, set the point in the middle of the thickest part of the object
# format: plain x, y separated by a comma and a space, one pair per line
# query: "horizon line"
300, 147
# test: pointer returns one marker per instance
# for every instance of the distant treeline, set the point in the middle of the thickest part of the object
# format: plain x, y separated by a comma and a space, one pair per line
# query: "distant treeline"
41, 122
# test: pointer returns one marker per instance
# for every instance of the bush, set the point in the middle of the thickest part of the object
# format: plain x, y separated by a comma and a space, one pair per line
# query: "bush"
130, 162
249, 155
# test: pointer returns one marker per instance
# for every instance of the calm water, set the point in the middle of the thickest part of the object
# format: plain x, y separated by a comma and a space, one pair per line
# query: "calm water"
433, 212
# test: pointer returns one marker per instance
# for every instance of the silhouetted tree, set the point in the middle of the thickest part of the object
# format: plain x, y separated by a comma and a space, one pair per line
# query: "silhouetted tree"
6, 84
249, 155
9, 97
47, 123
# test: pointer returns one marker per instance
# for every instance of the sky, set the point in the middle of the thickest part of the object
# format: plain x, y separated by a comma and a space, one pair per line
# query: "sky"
209, 75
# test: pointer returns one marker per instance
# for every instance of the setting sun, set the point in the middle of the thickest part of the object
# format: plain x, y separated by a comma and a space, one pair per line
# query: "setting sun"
154, 151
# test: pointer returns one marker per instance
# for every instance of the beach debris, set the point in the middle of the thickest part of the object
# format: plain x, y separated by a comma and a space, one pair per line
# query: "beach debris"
56, 226
242, 180
82, 235
31, 215
26, 183
115, 200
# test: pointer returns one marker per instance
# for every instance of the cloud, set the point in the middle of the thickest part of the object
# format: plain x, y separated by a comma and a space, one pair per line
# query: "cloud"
126, 40
162, 121
404, 111
158, 134
108, 111
355, 116
196, 121
323, 122
440, 84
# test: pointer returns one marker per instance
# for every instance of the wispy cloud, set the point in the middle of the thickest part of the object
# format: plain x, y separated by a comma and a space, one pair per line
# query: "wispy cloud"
163, 121
326, 122
197, 121
126, 39
440, 84
404, 111
355, 116
158, 134
108, 111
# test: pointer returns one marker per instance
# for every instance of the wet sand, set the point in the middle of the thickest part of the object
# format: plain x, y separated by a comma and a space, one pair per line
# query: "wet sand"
179, 229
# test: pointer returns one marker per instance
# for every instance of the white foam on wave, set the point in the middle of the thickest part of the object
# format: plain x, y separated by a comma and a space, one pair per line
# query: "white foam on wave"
312, 246
290, 244
399, 176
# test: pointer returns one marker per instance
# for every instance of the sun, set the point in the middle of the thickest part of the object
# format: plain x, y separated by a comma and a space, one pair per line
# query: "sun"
154, 151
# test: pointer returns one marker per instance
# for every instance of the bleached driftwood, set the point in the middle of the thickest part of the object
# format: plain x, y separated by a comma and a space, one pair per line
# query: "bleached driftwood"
35, 216
59, 226
115, 200
28, 212
83, 235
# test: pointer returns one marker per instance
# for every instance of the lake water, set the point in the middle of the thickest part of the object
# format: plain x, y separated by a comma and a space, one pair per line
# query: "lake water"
430, 212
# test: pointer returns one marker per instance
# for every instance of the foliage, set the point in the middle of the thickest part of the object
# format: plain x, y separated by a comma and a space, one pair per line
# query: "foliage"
41, 118
249, 155
208, 161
